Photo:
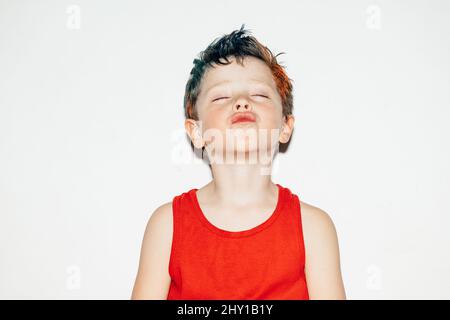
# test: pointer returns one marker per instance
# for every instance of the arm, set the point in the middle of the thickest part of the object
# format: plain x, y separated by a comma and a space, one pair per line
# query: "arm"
322, 262
153, 279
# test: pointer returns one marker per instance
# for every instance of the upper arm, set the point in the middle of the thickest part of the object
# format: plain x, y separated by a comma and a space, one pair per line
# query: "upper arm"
153, 279
322, 261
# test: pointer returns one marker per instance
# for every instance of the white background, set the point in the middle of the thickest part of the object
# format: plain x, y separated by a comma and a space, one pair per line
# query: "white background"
92, 137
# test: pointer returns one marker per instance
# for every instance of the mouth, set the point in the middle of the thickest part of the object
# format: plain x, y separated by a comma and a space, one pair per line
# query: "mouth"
243, 118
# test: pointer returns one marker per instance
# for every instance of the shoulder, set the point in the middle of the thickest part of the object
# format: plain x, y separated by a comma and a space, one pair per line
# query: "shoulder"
318, 227
153, 277
157, 240
161, 220
316, 217
163, 212
159, 228
322, 258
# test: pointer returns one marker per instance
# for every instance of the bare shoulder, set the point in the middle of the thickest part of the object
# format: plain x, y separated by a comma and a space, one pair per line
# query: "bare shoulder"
161, 217
160, 226
322, 258
153, 278
320, 237
158, 231
316, 220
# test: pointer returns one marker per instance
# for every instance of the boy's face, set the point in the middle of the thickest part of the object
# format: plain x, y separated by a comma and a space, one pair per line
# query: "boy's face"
228, 91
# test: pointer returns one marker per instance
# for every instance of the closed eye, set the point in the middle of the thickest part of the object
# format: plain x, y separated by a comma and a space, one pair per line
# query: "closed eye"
256, 95
220, 98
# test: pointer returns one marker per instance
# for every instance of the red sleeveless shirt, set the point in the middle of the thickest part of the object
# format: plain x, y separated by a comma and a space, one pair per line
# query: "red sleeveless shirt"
263, 263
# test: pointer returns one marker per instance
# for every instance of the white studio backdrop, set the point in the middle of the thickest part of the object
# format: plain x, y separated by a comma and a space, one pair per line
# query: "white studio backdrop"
92, 138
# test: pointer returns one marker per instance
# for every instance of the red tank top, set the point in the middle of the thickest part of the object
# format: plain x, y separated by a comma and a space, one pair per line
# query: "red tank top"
263, 263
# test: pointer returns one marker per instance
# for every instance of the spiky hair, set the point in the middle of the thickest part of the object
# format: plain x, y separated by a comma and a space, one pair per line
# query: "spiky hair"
239, 44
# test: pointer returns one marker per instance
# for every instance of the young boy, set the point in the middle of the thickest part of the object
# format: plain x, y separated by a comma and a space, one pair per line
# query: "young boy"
240, 236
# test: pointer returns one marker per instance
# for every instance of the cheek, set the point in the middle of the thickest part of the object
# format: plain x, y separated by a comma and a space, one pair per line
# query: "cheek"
209, 116
214, 119
271, 116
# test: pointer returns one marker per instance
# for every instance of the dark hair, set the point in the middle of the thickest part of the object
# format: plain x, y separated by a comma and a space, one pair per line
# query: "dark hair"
238, 44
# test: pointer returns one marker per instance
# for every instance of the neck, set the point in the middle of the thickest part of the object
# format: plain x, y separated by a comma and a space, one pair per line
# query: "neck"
241, 184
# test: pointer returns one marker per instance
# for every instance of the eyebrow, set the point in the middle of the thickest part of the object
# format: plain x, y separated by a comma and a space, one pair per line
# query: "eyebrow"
227, 81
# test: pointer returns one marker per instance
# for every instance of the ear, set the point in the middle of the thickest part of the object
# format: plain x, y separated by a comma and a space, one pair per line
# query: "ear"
287, 128
193, 129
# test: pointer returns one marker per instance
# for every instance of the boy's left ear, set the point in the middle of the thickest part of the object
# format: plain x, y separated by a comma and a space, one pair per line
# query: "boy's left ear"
286, 130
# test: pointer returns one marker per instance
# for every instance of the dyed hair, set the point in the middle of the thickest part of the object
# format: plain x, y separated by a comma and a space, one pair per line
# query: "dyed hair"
238, 44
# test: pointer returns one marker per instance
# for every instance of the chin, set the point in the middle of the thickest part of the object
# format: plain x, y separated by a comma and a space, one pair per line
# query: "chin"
245, 149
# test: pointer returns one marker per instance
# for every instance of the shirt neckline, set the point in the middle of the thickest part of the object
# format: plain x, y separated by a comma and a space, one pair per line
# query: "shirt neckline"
243, 233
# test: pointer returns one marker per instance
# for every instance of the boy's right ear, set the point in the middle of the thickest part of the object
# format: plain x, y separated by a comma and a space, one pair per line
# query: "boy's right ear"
194, 132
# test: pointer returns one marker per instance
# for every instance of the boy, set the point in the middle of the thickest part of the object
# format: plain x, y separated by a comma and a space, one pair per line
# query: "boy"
241, 236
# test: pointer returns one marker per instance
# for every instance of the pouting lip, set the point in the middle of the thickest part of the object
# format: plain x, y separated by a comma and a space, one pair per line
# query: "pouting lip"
243, 116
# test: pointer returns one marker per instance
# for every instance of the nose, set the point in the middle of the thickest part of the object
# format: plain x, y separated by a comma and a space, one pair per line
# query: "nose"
240, 104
